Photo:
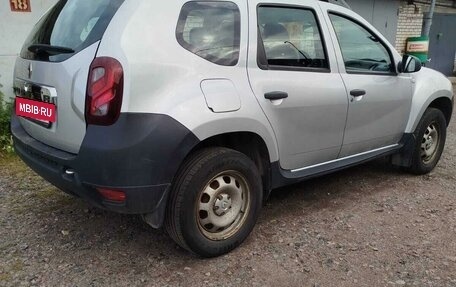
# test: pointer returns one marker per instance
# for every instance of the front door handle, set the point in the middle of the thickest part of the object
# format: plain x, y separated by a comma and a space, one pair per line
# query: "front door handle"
276, 95
357, 93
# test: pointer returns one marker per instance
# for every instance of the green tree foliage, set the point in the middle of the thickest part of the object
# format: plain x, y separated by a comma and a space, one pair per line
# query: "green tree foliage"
6, 142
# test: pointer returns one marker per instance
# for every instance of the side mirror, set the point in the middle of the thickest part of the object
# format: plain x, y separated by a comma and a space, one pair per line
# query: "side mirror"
409, 64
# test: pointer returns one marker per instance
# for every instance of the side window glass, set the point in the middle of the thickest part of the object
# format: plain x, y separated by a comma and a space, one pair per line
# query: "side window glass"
291, 37
362, 51
211, 30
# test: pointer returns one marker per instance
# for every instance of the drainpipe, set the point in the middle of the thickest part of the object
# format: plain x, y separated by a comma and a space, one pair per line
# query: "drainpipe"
428, 20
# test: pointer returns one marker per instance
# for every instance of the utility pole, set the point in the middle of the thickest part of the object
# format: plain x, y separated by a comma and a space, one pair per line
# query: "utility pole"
428, 20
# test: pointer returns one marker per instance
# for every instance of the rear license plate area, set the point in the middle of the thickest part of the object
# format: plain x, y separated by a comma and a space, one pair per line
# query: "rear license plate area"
35, 103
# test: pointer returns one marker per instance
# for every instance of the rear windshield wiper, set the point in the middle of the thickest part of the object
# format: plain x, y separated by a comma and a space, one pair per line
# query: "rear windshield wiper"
49, 49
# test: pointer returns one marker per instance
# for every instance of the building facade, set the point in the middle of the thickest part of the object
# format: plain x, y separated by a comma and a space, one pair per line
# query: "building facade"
15, 27
442, 48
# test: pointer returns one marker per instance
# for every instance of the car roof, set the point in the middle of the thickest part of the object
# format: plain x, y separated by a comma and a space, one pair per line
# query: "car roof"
342, 3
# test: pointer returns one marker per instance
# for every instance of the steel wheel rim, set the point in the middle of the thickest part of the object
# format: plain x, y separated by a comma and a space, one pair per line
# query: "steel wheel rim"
223, 205
430, 143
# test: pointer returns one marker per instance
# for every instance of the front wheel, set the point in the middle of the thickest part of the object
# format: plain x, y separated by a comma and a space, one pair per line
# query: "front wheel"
215, 202
430, 141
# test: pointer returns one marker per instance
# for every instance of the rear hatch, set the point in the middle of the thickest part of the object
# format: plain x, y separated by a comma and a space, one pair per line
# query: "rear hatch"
54, 64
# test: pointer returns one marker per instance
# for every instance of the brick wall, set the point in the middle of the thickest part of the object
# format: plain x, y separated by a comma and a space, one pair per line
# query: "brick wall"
410, 20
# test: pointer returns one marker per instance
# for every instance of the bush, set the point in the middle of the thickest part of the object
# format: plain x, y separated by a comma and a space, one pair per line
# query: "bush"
6, 141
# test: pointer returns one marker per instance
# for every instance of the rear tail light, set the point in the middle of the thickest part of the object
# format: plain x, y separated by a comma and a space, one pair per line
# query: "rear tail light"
112, 195
104, 91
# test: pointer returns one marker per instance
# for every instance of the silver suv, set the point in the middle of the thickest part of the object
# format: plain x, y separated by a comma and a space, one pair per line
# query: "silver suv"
190, 113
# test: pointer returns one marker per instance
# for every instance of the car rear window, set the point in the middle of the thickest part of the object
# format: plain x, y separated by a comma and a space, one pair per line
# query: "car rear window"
72, 24
211, 30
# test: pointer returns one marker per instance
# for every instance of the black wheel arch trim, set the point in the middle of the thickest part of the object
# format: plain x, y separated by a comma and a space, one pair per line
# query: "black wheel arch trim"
149, 147
140, 161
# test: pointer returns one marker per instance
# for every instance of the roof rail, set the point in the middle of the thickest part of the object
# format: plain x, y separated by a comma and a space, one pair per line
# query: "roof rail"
342, 3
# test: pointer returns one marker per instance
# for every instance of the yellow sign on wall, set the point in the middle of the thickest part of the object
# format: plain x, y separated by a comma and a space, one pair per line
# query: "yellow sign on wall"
418, 46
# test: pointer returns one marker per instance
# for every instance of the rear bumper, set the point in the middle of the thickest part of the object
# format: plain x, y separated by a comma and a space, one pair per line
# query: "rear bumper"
118, 157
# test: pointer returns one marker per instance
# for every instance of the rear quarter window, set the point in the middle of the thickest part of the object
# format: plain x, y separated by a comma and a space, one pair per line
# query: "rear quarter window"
73, 24
211, 30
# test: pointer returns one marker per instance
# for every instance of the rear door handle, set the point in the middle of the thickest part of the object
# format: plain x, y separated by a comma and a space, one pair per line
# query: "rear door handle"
357, 93
276, 95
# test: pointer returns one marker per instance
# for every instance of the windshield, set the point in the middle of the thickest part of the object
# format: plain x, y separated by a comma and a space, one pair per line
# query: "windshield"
72, 24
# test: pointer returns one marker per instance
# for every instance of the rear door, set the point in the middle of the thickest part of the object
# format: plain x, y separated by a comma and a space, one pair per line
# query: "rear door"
54, 63
293, 73
380, 99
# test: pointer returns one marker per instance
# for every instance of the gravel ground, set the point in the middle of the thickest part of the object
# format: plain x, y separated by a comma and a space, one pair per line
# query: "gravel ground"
371, 225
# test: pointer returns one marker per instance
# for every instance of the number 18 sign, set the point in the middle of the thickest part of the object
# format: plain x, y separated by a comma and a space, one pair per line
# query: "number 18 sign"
20, 5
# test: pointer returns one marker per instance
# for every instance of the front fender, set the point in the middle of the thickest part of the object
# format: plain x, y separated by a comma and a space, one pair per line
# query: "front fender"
429, 86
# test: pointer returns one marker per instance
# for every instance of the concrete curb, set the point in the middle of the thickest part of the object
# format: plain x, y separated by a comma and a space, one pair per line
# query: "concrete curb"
453, 80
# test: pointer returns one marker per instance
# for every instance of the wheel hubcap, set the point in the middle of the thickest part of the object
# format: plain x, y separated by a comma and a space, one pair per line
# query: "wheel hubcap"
430, 143
223, 205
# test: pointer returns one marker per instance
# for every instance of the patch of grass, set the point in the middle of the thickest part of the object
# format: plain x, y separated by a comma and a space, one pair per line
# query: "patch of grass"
46, 193
30, 190
52, 199
7, 270
5, 277
6, 141
64, 202
33, 194
17, 266
11, 164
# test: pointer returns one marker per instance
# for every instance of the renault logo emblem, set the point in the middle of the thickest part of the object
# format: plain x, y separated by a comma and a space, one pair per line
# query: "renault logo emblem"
30, 71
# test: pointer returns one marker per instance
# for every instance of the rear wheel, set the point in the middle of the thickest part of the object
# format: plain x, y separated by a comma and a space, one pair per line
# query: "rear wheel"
430, 141
215, 202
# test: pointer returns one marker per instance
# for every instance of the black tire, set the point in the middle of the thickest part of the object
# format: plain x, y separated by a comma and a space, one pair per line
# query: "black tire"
422, 163
184, 218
